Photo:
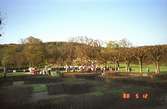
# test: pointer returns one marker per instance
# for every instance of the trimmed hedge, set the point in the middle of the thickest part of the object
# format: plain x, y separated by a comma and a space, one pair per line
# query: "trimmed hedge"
55, 89
87, 101
71, 88
31, 79
13, 96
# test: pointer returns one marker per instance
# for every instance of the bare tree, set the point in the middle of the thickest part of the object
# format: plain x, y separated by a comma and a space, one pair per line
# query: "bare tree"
156, 53
113, 44
125, 43
140, 54
34, 51
128, 57
116, 57
88, 49
8, 57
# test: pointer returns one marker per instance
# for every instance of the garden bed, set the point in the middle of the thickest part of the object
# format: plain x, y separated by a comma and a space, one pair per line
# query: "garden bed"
69, 88
12, 96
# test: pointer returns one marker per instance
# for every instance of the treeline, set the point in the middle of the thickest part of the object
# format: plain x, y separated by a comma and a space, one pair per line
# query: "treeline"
80, 50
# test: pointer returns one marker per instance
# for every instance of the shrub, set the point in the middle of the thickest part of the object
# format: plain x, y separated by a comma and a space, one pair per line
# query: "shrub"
55, 88
13, 96
69, 88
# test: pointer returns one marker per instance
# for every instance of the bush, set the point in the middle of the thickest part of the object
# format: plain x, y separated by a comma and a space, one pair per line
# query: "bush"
76, 102
55, 88
13, 96
69, 88
77, 88
4, 83
40, 79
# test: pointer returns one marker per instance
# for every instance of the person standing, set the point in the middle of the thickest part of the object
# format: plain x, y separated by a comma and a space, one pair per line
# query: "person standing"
5, 72
148, 70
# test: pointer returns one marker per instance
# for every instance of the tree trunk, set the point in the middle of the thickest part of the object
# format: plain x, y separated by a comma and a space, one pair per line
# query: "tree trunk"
118, 65
127, 66
157, 68
141, 65
115, 66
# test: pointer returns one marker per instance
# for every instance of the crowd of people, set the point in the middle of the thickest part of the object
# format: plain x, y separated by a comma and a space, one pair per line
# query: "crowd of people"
51, 69
83, 68
43, 71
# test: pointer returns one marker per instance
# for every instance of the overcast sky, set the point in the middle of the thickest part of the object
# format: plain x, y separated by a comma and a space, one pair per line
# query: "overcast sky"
143, 22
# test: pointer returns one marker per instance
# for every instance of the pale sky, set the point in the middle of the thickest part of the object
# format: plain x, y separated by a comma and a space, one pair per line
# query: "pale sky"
143, 22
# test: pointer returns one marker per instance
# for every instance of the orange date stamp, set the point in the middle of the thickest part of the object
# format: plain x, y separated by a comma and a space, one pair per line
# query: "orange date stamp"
141, 95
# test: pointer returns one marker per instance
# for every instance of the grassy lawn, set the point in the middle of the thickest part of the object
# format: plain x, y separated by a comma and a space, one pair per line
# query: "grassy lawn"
54, 74
13, 74
136, 68
39, 88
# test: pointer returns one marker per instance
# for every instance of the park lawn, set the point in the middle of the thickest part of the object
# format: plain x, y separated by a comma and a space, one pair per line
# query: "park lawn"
136, 68
13, 74
54, 74
39, 88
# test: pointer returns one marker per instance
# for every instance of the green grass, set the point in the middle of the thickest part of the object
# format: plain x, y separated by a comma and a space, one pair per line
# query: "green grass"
136, 68
39, 88
96, 93
54, 74
12, 74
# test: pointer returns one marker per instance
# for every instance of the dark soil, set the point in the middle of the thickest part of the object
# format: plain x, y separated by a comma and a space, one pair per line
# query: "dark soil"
17, 93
